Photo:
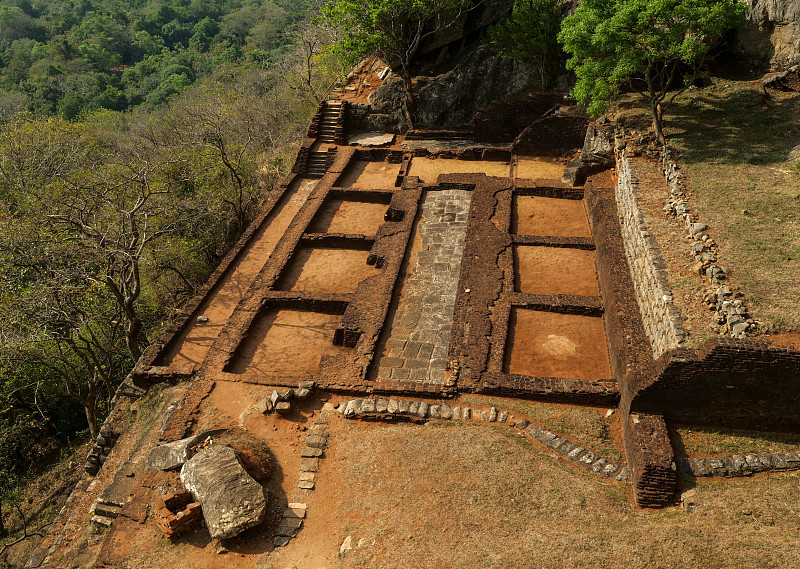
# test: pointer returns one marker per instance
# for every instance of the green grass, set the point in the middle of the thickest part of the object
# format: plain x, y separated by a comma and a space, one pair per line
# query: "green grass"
699, 442
733, 144
585, 426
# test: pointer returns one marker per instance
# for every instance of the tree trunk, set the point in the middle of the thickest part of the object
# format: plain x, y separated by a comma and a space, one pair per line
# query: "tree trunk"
3, 530
91, 418
133, 332
655, 109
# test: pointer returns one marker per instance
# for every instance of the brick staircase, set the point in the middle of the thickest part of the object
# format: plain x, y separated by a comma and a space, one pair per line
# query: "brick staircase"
329, 121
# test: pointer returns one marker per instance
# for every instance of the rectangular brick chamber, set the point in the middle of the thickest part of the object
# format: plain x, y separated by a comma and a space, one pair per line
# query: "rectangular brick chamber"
365, 174
288, 340
555, 270
539, 215
353, 213
550, 344
328, 269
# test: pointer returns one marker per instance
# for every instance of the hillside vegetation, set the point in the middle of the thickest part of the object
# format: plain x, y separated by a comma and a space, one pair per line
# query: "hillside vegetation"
111, 218
69, 56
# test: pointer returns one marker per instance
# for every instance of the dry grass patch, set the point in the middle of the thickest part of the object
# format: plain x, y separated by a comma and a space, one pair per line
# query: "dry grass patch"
700, 441
734, 144
456, 496
586, 426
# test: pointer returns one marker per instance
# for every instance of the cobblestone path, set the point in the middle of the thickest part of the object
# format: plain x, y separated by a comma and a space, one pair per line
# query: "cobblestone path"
420, 330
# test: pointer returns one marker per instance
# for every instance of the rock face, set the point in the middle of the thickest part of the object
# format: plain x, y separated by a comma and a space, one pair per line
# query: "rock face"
172, 455
598, 150
232, 501
447, 100
771, 36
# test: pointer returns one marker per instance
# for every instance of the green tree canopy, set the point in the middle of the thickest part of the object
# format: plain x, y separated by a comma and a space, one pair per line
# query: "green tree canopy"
392, 29
649, 45
529, 34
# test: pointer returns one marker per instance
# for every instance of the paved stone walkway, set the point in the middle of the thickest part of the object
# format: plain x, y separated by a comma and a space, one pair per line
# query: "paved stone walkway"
420, 332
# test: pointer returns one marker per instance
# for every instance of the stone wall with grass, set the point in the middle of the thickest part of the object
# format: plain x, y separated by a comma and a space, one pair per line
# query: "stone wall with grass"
663, 322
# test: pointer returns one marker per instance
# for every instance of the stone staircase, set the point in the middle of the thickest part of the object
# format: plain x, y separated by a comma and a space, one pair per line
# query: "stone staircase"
329, 121
316, 164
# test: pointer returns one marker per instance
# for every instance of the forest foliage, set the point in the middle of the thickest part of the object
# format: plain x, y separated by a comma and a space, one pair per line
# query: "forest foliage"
114, 214
70, 56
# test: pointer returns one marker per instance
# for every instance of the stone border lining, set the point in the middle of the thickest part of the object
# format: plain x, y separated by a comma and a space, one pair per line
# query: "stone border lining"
663, 321
418, 411
312, 453
730, 313
738, 464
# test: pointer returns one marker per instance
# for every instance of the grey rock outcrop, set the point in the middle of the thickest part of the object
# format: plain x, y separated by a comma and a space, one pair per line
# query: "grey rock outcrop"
172, 455
232, 501
446, 100
771, 36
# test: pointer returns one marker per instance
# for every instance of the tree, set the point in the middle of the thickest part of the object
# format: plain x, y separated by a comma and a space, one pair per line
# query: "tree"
650, 45
529, 34
392, 29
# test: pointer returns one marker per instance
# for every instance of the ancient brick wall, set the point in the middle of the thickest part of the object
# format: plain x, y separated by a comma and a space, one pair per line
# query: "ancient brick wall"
650, 457
661, 318
735, 383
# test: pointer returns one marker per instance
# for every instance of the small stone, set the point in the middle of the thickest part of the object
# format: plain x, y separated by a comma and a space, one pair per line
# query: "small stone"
422, 412
309, 465
622, 475
317, 441
522, 424
456, 413
283, 407
381, 405
302, 393
346, 547
280, 540
293, 522
352, 409
310, 452
433, 412
286, 531
484, 415
588, 458
445, 411
502, 416
392, 407
306, 485
747, 512
288, 395
466, 413
413, 408
403, 406
298, 508
368, 406
609, 469
492, 415
312, 476
609, 413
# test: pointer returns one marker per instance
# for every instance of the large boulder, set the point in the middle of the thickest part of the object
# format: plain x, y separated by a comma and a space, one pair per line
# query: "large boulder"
232, 500
447, 98
598, 148
172, 455
770, 37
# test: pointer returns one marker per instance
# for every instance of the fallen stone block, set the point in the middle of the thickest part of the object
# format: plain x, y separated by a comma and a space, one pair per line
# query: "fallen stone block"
172, 455
232, 500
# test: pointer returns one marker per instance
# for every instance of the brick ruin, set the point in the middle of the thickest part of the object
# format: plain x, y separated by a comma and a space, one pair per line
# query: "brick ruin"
405, 271
396, 271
